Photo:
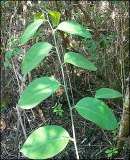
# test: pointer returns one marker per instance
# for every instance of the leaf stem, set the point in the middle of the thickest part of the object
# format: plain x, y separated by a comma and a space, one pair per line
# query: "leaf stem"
71, 114
67, 96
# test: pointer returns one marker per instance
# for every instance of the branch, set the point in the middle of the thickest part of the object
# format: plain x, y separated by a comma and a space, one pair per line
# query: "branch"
17, 108
124, 126
90, 21
105, 21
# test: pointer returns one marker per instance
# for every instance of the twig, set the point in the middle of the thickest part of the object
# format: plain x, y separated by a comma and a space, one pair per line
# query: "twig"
107, 137
17, 108
13, 15
124, 125
90, 21
24, 21
24, 26
105, 21
101, 151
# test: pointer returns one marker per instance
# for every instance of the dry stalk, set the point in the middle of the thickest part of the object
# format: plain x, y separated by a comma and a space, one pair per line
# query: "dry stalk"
124, 125
18, 110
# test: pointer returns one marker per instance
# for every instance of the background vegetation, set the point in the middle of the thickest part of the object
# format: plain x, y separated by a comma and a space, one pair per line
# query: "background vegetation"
109, 24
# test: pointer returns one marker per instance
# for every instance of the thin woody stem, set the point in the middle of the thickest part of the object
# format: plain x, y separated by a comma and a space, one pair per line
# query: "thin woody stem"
65, 87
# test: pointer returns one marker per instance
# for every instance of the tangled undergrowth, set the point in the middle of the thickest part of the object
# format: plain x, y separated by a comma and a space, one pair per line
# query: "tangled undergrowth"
108, 22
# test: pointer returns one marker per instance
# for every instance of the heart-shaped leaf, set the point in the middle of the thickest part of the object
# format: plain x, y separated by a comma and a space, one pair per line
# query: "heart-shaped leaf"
55, 17
107, 93
75, 28
97, 112
35, 55
30, 30
37, 91
78, 60
45, 142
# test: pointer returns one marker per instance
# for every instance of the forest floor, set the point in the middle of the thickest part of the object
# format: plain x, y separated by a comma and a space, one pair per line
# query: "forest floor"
92, 141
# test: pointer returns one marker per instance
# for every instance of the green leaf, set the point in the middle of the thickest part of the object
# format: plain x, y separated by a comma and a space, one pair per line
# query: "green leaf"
7, 65
8, 55
115, 151
110, 154
107, 93
93, 47
35, 55
45, 142
55, 17
39, 16
115, 138
108, 151
75, 28
37, 91
15, 54
19, 50
30, 30
78, 60
106, 42
97, 112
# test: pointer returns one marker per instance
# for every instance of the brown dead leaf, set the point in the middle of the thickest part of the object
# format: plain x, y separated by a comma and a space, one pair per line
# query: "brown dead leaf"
2, 125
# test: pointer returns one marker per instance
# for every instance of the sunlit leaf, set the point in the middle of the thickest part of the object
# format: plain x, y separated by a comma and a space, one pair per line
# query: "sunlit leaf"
35, 55
39, 16
37, 91
55, 17
97, 112
107, 93
75, 28
78, 60
110, 154
45, 142
108, 151
30, 30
